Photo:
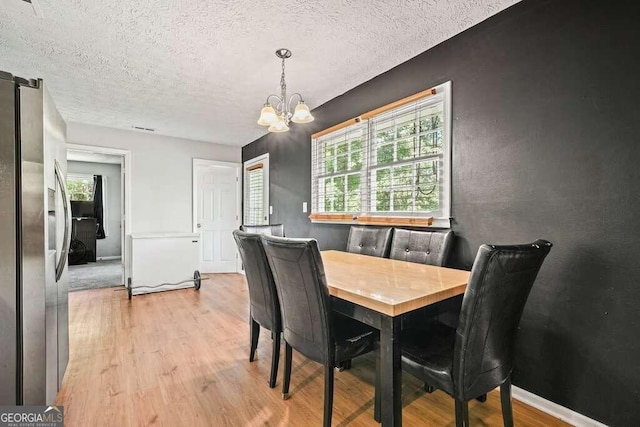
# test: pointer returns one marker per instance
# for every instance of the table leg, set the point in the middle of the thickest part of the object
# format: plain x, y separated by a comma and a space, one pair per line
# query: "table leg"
391, 371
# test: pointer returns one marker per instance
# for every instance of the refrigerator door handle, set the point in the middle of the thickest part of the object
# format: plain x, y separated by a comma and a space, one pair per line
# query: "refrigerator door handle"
65, 243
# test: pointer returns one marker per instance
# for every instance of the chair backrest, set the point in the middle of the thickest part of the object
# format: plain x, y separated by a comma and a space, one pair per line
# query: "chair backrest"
500, 281
372, 241
270, 229
263, 297
304, 297
424, 247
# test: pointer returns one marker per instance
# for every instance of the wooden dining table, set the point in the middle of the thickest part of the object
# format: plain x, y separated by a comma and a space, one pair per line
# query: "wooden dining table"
378, 292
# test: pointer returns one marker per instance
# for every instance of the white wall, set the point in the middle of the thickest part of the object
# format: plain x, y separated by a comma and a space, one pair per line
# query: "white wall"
109, 246
161, 195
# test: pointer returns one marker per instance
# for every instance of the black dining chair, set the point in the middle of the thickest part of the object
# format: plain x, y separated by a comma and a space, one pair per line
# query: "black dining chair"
373, 241
477, 356
432, 248
309, 324
263, 297
271, 229
424, 247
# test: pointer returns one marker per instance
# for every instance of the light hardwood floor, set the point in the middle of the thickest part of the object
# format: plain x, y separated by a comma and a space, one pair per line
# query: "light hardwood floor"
180, 358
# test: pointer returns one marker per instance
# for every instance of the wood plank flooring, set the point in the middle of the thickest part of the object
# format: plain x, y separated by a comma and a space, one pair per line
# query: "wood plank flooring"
180, 358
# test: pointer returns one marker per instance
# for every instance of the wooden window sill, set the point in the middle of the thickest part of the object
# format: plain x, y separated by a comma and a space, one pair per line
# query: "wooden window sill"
372, 220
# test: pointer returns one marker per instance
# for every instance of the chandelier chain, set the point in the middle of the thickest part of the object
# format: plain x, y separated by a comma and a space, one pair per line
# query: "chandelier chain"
283, 87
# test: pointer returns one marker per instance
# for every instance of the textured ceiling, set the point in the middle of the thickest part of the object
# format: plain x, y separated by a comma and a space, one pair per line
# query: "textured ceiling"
201, 69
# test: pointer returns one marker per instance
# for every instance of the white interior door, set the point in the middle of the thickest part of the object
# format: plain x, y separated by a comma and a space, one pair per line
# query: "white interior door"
217, 209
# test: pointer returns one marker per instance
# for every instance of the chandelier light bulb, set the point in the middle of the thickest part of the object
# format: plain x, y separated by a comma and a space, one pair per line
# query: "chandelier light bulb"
279, 126
268, 116
302, 113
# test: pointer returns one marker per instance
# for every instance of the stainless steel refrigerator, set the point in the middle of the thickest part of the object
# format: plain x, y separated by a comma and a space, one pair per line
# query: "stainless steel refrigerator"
34, 240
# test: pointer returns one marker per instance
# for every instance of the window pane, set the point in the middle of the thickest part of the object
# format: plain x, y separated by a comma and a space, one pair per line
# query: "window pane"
384, 154
406, 125
431, 143
353, 193
384, 132
328, 195
329, 152
383, 201
427, 188
403, 176
383, 178
382, 194
427, 198
402, 200
341, 165
80, 189
342, 148
405, 149
426, 172
254, 197
338, 200
356, 160
432, 118
356, 154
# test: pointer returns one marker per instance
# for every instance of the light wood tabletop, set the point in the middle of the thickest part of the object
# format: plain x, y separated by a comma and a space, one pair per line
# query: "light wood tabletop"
390, 286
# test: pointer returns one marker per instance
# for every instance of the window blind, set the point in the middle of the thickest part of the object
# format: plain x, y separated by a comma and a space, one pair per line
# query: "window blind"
337, 168
406, 159
392, 164
254, 201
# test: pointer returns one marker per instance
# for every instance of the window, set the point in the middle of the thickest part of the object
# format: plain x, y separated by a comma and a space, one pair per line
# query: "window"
341, 157
388, 165
80, 187
256, 191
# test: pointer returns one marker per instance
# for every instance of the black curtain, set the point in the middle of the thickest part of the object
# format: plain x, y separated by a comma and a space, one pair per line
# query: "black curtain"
98, 208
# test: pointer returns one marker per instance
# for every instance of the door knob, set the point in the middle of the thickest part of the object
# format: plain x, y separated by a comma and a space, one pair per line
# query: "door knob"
199, 226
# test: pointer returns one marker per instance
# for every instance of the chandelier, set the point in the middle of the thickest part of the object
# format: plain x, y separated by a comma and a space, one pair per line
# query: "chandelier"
278, 115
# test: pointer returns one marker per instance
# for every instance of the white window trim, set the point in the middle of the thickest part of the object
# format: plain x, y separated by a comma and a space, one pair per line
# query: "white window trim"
442, 221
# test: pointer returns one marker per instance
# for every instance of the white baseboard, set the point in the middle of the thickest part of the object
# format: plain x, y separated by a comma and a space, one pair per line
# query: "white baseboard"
107, 258
558, 411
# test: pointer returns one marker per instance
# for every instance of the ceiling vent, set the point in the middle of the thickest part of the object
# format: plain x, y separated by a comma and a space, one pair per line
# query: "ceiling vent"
143, 128
31, 7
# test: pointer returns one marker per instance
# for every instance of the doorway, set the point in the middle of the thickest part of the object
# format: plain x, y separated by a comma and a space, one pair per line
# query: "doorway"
216, 213
99, 190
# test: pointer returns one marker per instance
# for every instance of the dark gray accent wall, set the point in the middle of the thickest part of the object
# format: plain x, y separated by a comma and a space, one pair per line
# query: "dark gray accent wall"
546, 143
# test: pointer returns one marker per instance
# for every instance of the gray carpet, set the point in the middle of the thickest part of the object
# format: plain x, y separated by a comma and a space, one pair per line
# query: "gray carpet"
94, 275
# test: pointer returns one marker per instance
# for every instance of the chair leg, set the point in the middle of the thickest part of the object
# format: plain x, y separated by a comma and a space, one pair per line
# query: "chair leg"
275, 358
345, 365
462, 414
255, 334
482, 398
505, 400
287, 371
328, 395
